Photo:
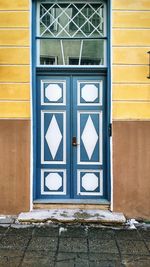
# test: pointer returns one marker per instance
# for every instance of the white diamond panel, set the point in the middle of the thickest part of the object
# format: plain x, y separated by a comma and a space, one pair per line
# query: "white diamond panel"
53, 137
89, 137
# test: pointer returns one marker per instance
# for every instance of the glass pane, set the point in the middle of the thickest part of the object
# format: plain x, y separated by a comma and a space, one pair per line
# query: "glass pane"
47, 19
93, 52
87, 19
72, 52
72, 20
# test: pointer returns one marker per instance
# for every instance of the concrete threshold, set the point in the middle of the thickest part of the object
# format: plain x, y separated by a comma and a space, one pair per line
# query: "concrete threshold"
72, 216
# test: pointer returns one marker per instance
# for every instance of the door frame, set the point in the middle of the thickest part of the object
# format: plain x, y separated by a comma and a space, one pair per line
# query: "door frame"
71, 71
67, 70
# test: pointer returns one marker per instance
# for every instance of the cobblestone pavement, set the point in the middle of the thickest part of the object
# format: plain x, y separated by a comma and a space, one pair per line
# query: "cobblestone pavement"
58, 245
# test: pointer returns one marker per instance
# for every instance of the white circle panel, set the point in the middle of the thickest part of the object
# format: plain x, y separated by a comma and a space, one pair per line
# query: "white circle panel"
89, 181
53, 181
53, 92
89, 92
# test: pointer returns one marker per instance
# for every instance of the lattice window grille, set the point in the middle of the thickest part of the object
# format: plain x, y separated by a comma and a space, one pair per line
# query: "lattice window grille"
54, 27
48, 19
91, 18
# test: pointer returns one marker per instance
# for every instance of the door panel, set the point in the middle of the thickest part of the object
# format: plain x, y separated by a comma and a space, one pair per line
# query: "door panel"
53, 141
53, 106
88, 127
70, 138
89, 133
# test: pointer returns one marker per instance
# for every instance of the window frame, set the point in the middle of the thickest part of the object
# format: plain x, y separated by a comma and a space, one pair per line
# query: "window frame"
105, 38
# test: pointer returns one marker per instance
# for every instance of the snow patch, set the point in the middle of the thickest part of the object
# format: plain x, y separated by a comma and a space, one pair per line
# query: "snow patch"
62, 229
131, 223
2, 217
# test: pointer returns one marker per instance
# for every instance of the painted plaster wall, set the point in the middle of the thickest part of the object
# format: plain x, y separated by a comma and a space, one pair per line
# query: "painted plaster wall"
14, 106
14, 59
131, 88
131, 168
131, 107
131, 41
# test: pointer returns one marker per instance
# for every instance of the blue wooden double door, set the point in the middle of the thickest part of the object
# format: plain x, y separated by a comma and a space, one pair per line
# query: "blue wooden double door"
71, 138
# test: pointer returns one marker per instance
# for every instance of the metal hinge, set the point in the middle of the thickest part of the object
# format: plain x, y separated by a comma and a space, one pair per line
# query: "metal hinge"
110, 129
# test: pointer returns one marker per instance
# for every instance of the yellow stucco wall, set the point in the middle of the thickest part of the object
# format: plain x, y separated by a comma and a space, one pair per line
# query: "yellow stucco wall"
130, 40
14, 59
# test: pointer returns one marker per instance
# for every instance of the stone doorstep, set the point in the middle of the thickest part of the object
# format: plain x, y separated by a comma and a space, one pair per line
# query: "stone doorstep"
72, 216
7, 219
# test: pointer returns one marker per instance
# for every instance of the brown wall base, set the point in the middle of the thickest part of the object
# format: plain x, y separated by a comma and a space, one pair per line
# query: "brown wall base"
131, 168
14, 166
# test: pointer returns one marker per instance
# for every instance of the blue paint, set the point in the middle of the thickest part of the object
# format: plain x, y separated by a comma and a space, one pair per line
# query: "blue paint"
46, 189
48, 113
59, 72
95, 119
34, 121
108, 99
97, 100
95, 155
71, 165
47, 120
47, 101
97, 190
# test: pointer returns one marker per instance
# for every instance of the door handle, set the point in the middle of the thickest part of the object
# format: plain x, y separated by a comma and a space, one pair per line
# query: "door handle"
74, 141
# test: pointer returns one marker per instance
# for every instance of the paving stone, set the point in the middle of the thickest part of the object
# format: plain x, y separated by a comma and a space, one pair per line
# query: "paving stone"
145, 233
4, 252
81, 263
71, 231
100, 233
46, 231
39, 258
10, 261
39, 253
103, 256
20, 230
3, 229
37, 262
72, 259
136, 261
14, 242
148, 244
105, 264
102, 246
132, 247
66, 263
72, 256
72, 245
127, 235
43, 243
5, 219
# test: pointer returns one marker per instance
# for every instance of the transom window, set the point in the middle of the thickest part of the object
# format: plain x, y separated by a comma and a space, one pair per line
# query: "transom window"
71, 33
